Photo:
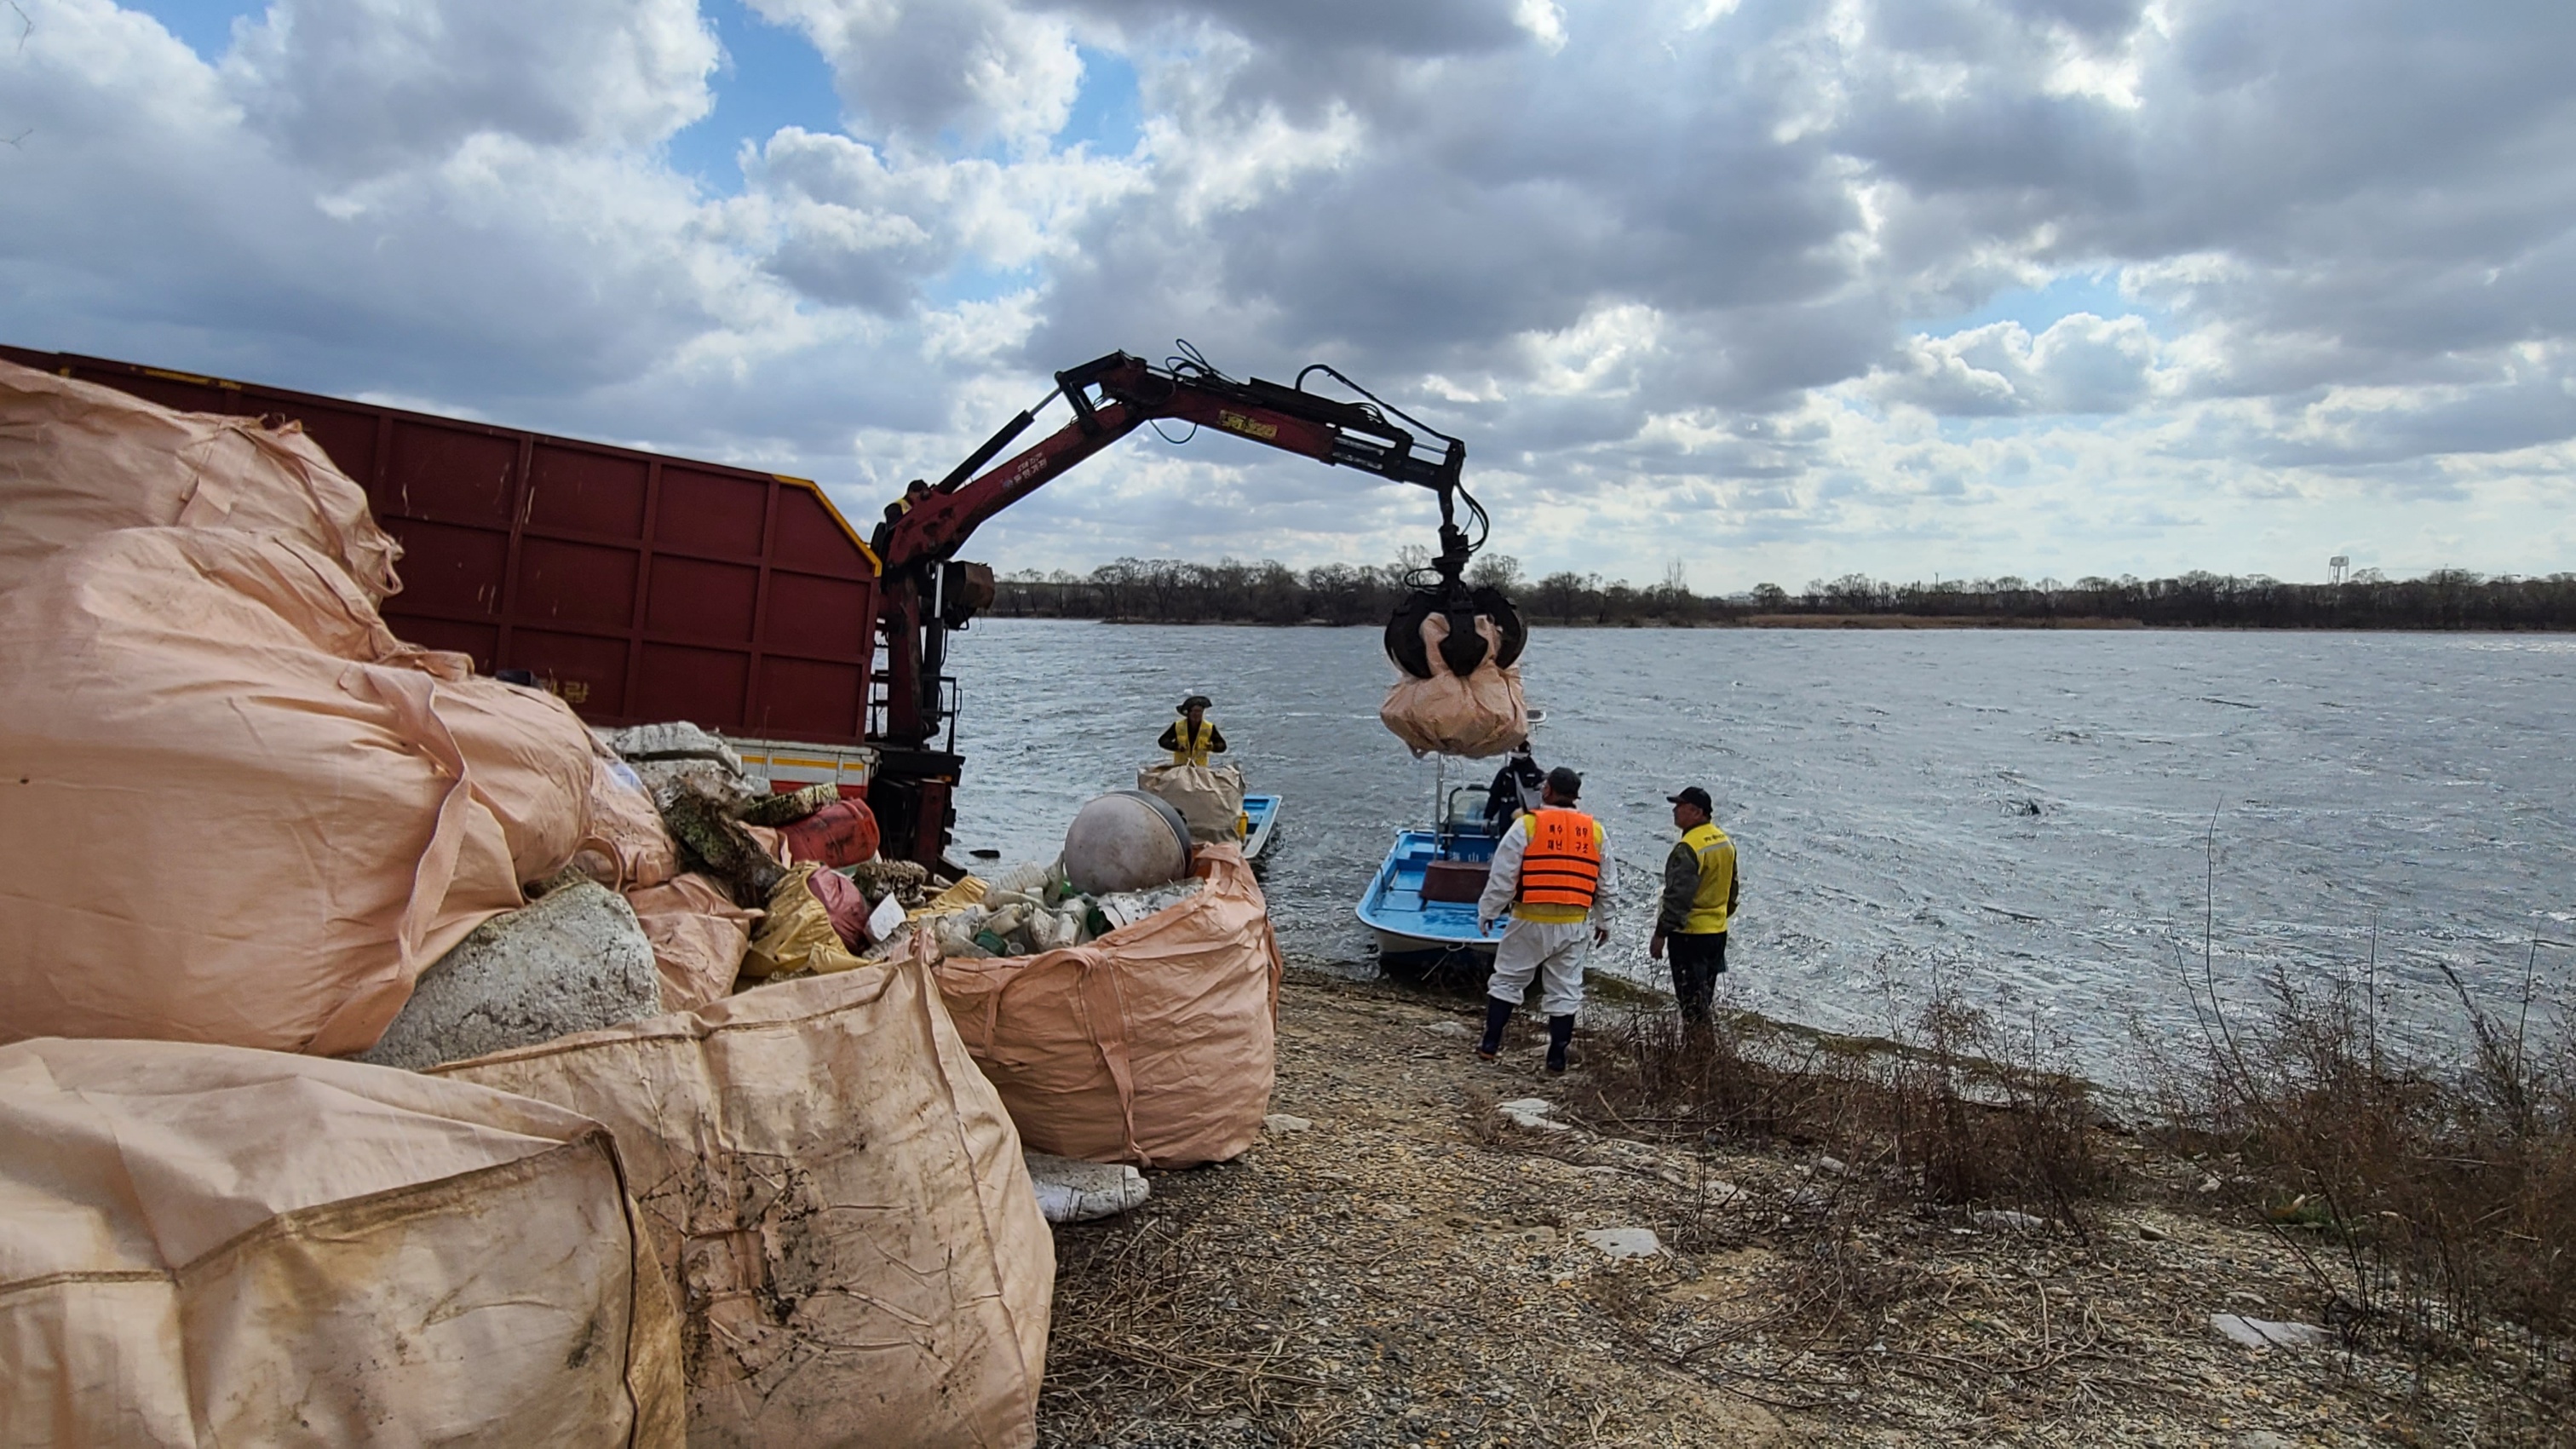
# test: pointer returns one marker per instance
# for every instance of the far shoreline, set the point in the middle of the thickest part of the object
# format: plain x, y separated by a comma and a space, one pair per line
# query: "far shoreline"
1834, 622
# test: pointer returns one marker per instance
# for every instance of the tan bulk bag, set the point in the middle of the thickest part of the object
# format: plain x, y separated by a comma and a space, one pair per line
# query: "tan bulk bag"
239, 810
78, 459
207, 1245
1476, 716
840, 1199
1152, 1045
1210, 799
628, 848
698, 935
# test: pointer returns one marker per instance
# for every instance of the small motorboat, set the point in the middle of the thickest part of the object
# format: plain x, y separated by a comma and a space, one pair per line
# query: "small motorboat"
1260, 814
1422, 905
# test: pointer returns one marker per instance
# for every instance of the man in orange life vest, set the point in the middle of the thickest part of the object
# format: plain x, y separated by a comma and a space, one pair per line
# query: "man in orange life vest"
1552, 872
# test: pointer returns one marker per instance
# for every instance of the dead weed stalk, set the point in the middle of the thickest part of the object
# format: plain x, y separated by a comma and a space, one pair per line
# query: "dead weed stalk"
1952, 1107
2434, 1199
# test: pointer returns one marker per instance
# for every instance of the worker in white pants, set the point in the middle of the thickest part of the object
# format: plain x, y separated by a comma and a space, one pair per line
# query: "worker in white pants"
1553, 952
1552, 872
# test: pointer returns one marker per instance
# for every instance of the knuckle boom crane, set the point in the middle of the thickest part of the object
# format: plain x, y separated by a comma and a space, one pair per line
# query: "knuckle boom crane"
925, 592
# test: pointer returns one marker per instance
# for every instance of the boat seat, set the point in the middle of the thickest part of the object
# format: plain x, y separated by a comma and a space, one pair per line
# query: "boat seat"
1454, 880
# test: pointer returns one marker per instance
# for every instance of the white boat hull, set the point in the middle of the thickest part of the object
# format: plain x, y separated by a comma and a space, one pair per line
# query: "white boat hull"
1396, 943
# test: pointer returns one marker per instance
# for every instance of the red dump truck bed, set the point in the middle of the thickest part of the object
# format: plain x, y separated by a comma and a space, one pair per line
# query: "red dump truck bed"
639, 587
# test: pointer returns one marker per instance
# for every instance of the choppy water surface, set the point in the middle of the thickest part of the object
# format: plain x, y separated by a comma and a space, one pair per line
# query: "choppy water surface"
2028, 809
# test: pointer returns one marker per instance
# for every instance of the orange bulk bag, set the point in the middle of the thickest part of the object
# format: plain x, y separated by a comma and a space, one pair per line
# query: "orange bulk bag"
240, 810
839, 1201
1153, 1045
207, 1246
698, 937
78, 459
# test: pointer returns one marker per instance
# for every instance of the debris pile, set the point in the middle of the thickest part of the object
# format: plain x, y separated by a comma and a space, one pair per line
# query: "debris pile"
251, 830
256, 830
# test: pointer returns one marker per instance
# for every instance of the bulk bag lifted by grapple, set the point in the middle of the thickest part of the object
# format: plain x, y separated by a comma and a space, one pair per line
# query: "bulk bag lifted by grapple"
213, 1246
1459, 649
1478, 713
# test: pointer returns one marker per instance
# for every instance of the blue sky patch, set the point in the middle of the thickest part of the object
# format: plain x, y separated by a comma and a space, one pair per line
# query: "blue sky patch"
204, 26
1108, 113
2038, 308
772, 78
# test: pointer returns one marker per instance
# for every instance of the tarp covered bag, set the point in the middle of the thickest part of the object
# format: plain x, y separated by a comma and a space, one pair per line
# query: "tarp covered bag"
839, 1198
1210, 798
1153, 1045
78, 459
207, 1245
240, 810
1477, 715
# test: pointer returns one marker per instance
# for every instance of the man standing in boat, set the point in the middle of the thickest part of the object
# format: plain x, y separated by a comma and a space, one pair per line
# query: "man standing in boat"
1193, 737
1699, 899
1552, 871
1515, 790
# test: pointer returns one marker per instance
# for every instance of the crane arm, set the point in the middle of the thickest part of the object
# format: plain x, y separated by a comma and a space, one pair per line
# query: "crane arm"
924, 593
939, 519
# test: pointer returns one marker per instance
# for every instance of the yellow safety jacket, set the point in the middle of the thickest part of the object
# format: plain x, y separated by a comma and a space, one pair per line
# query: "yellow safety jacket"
1193, 747
1716, 880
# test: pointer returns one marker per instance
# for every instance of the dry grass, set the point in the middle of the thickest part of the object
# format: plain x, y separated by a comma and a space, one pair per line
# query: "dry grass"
2434, 1200
1158, 1322
1413, 1269
1952, 1107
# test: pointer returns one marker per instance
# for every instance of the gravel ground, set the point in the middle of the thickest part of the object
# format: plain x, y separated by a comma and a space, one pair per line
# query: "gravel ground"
1399, 1261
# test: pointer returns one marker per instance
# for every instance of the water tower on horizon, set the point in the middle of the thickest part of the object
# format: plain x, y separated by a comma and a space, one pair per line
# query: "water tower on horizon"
2336, 567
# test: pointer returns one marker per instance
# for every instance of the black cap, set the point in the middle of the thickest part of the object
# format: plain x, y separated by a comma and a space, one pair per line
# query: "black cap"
1567, 784
1694, 795
1201, 700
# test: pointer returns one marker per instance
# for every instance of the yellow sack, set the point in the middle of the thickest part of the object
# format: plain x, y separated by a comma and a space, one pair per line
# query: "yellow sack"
797, 933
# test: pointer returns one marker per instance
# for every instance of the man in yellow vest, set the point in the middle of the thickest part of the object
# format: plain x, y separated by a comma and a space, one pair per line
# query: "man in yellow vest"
1193, 737
1699, 899
1552, 871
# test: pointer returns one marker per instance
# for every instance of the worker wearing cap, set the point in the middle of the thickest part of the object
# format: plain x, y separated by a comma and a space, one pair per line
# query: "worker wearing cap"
1552, 871
1193, 737
1699, 899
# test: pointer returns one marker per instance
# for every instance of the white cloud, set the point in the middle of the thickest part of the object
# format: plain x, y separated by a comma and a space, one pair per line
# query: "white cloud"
1545, 22
2080, 364
1668, 265
982, 69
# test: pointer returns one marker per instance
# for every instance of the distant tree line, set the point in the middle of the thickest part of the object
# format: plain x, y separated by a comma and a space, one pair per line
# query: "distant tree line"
1232, 591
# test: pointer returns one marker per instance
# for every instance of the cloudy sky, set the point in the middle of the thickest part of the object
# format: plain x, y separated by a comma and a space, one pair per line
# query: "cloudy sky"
1776, 290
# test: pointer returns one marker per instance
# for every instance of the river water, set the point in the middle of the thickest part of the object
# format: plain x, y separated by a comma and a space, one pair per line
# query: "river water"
2046, 817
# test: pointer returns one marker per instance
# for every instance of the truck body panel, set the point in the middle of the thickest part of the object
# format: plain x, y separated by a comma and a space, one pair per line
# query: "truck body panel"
638, 586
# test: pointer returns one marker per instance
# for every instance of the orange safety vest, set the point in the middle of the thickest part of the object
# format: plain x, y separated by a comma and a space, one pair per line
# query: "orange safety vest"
1562, 867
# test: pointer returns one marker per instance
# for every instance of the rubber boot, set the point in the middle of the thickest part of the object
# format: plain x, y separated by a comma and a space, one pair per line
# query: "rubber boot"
1560, 1031
1498, 1014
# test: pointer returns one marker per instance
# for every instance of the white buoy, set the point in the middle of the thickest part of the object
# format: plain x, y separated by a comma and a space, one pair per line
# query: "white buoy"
1125, 841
